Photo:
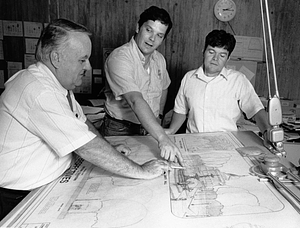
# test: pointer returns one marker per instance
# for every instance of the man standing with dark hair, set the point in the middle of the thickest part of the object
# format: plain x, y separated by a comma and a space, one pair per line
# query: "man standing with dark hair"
137, 84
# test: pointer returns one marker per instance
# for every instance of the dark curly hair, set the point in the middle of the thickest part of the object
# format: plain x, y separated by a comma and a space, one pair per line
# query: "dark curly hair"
156, 14
221, 39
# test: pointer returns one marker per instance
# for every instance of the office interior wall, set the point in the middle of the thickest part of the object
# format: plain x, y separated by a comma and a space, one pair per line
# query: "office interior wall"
113, 22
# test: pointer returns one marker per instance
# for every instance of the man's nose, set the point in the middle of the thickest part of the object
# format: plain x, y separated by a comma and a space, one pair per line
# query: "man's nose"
88, 65
215, 57
152, 37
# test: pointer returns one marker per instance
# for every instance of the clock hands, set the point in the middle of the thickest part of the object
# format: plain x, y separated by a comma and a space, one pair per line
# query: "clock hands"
229, 9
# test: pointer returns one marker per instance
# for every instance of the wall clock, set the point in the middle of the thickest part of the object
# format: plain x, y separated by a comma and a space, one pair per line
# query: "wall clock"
225, 10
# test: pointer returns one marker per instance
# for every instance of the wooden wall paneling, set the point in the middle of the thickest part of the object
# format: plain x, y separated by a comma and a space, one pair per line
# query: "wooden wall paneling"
93, 25
112, 23
93, 12
247, 21
286, 33
284, 24
53, 10
69, 10
35, 10
11, 10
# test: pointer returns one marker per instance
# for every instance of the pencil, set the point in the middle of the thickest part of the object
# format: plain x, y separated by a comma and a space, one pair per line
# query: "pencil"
177, 167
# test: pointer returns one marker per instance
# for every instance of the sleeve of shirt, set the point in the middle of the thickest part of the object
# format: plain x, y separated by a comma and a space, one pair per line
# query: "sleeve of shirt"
181, 105
120, 75
52, 120
250, 103
166, 81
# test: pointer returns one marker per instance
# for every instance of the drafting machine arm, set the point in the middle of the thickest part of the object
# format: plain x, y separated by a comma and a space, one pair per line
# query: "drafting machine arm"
275, 134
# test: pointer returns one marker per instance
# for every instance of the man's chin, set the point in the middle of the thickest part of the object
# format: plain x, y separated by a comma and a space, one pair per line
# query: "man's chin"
213, 69
147, 50
79, 83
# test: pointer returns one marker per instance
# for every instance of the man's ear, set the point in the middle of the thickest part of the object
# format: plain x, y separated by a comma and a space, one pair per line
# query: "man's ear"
137, 29
228, 59
55, 58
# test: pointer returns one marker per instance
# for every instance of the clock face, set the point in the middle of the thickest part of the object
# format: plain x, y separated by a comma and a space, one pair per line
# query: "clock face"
225, 10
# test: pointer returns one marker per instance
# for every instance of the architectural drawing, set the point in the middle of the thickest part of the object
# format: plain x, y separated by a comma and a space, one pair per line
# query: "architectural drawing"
207, 188
215, 190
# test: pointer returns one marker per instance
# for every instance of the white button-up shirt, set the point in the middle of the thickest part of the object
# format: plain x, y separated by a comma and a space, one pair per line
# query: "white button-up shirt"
125, 73
38, 129
215, 104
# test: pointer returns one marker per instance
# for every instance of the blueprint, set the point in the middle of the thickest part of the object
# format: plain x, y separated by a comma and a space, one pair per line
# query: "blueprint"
215, 174
215, 190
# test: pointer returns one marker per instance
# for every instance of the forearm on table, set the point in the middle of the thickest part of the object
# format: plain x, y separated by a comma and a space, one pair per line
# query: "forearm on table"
100, 153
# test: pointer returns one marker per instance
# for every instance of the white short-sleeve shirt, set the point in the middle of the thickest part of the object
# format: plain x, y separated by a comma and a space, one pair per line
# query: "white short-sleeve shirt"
216, 104
125, 73
38, 129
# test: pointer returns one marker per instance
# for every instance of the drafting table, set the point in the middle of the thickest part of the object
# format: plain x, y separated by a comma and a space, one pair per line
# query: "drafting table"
216, 191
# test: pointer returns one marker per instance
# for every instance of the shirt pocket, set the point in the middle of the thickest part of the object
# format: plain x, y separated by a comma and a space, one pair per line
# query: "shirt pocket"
227, 107
154, 93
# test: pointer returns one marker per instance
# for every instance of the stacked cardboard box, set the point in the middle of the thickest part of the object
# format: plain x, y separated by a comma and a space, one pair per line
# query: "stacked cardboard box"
297, 108
288, 110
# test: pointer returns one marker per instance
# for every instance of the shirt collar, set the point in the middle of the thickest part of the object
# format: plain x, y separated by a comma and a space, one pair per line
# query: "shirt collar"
224, 73
200, 72
48, 72
140, 54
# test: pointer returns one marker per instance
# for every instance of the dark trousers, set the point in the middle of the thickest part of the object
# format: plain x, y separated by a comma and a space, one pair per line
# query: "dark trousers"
115, 127
10, 198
